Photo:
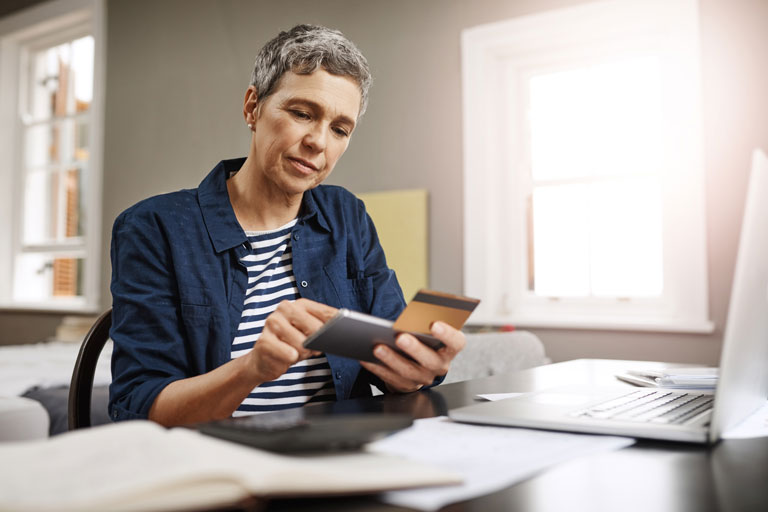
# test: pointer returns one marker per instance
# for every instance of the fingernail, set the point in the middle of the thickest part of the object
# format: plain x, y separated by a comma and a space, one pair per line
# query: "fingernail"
379, 351
405, 341
437, 328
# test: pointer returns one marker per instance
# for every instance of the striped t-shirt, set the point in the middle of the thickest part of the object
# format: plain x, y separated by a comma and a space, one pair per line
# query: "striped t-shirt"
271, 280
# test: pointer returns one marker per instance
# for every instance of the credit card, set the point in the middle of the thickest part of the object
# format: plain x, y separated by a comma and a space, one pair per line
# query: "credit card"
428, 306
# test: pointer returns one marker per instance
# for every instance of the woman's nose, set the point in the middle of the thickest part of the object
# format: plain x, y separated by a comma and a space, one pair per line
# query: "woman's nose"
316, 136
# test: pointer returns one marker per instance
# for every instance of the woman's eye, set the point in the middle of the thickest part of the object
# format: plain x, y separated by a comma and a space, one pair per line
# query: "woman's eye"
341, 132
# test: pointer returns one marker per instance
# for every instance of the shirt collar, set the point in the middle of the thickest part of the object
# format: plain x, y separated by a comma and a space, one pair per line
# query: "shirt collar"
309, 211
219, 216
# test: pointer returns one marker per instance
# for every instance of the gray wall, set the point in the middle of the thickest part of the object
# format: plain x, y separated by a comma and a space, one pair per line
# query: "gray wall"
12, 6
177, 72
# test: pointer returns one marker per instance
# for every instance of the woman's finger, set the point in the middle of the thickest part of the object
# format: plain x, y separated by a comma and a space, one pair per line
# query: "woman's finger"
453, 339
402, 367
393, 380
424, 356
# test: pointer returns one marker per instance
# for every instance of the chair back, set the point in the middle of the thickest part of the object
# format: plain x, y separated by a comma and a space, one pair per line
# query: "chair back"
81, 387
496, 353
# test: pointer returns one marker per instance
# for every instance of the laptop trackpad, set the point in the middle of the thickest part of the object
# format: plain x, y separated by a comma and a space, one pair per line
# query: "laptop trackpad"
574, 397
560, 398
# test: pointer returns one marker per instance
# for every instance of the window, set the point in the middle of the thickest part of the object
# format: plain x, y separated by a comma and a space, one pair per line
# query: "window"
584, 200
50, 118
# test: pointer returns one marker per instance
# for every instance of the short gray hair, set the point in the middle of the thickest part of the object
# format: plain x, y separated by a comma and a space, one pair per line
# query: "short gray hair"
302, 50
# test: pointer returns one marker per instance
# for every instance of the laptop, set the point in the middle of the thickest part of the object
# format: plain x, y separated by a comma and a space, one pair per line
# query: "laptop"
672, 414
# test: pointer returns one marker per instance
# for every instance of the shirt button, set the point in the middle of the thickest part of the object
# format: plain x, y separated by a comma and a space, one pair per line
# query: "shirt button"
338, 375
304, 284
295, 236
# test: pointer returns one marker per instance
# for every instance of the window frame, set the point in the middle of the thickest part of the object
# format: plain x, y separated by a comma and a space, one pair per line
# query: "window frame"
20, 34
496, 61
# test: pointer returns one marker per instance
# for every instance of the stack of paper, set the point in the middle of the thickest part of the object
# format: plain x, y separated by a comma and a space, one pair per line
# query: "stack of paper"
682, 378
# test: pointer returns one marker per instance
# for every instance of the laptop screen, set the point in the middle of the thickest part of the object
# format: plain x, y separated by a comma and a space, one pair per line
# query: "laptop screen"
743, 385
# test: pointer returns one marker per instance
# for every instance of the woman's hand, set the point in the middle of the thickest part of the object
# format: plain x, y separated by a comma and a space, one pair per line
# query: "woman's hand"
216, 394
281, 341
403, 375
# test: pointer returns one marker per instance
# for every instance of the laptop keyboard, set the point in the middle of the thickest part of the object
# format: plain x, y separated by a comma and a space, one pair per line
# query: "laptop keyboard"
651, 406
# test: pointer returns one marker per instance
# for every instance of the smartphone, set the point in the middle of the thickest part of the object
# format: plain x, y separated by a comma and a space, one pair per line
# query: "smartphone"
354, 335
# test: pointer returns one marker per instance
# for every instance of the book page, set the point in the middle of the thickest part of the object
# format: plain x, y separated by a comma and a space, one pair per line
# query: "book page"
138, 465
102, 468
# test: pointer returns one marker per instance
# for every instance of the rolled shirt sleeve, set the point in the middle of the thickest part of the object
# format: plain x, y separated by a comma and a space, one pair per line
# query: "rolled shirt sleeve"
149, 346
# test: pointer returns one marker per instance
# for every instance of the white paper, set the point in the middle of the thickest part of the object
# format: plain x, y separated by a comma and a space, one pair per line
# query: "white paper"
492, 397
671, 377
685, 371
755, 425
488, 458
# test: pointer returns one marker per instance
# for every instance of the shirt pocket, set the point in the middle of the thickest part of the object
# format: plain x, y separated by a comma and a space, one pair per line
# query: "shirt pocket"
206, 345
362, 291
198, 323
354, 292
195, 312
191, 295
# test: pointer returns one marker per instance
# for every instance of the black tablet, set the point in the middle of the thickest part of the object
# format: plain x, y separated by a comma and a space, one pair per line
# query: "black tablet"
352, 334
292, 430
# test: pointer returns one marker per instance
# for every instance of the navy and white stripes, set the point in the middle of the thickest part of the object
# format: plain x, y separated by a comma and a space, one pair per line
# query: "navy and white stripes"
271, 280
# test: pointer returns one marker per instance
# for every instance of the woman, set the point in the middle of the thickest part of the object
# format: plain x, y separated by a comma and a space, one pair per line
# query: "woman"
215, 289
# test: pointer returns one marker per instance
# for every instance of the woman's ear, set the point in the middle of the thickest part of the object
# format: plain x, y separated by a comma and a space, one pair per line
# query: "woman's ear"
249, 105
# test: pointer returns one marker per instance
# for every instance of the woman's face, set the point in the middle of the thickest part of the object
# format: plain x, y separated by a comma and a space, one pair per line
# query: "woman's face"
302, 129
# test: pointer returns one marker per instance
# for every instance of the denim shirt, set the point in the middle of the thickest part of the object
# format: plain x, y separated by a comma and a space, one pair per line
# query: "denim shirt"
178, 285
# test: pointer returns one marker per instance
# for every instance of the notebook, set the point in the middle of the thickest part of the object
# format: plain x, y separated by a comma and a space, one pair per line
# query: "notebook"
687, 416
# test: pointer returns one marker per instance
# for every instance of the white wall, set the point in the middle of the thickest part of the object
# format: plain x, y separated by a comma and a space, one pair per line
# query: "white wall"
177, 72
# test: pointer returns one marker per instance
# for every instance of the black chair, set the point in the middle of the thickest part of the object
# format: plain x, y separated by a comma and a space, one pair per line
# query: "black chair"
81, 387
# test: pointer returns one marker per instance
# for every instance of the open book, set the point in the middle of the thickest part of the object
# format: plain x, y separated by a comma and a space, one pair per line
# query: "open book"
139, 465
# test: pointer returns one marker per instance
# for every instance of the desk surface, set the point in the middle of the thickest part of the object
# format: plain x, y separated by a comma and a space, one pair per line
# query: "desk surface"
651, 476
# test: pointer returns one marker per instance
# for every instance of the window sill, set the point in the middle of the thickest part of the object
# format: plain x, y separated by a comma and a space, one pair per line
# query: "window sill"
605, 324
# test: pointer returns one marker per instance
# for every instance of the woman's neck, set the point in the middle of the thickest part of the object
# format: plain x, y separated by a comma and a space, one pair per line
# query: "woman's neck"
258, 205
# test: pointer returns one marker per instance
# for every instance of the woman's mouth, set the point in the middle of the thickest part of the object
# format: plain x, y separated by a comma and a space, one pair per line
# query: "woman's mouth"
303, 166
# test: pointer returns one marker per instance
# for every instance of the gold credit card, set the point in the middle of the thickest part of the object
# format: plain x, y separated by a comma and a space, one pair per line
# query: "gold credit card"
429, 306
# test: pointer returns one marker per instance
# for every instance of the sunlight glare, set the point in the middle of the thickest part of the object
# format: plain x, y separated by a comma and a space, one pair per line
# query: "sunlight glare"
602, 120
596, 137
